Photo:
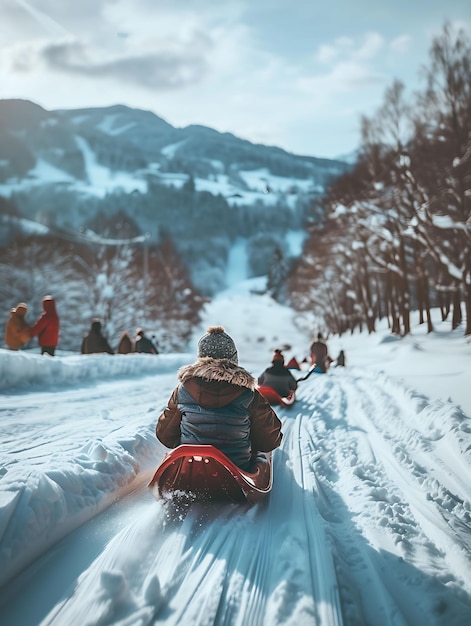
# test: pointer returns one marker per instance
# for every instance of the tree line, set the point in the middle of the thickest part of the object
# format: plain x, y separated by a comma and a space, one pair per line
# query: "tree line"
125, 285
396, 233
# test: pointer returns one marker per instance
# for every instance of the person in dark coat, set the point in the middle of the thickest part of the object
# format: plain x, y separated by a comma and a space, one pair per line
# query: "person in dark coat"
217, 403
46, 328
125, 345
278, 377
17, 330
340, 362
94, 341
143, 344
320, 358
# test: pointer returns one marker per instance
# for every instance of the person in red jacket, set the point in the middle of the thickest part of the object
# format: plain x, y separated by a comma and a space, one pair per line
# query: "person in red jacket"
46, 328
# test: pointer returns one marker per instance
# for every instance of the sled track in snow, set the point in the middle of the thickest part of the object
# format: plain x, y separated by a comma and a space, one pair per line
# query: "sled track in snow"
264, 565
304, 540
373, 487
348, 535
413, 468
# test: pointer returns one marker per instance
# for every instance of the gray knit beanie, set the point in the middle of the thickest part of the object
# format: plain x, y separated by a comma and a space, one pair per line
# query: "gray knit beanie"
217, 344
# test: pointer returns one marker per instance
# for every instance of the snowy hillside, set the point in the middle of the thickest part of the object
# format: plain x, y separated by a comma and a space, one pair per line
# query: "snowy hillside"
99, 151
124, 175
369, 520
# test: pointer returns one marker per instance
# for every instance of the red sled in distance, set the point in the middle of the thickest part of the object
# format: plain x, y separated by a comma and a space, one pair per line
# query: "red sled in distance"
205, 473
293, 364
274, 397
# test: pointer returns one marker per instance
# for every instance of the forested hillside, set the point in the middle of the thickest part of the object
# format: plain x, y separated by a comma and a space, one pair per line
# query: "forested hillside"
122, 216
382, 237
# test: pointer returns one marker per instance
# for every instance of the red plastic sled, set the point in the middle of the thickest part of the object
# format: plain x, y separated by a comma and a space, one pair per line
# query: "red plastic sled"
203, 472
274, 397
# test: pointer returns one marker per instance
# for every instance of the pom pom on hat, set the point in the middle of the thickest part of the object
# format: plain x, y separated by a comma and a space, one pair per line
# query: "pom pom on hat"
217, 344
277, 356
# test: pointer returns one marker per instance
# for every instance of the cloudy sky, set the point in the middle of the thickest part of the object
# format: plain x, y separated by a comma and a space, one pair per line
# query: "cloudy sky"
292, 73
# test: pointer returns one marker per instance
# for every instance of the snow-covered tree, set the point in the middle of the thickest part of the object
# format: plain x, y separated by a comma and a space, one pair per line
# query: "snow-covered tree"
402, 235
125, 285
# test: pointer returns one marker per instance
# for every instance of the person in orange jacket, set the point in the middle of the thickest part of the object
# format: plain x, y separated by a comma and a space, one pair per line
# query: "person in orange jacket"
17, 328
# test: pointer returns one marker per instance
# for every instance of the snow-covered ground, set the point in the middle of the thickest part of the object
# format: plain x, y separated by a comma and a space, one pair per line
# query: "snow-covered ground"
368, 523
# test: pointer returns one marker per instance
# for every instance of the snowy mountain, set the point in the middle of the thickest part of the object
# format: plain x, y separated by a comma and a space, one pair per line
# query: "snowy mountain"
368, 522
125, 173
98, 150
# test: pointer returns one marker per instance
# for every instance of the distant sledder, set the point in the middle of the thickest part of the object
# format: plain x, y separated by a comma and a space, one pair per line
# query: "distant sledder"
277, 384
320, 358
274, 397
221, 428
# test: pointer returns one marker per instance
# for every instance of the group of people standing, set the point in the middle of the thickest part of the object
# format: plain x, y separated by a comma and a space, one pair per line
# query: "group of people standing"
95, 342
46, 328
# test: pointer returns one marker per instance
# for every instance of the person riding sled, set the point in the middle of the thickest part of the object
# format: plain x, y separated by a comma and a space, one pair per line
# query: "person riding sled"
216, 402
278, 376
320, 358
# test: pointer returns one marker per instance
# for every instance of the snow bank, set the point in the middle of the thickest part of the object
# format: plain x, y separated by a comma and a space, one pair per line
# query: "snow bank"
22, 369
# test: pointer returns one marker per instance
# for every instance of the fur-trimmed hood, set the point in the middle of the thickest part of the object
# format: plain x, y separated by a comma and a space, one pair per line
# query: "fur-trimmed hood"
217, 370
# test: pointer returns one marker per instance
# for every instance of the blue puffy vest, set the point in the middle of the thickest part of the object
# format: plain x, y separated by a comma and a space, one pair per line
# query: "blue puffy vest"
227, 428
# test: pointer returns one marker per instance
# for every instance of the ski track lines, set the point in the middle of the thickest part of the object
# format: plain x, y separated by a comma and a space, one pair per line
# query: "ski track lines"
307, 537
382, 476
411, 475
347, 536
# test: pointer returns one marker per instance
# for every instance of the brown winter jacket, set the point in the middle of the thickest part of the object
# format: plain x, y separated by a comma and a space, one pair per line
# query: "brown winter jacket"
17, 330
214, 384
125, 345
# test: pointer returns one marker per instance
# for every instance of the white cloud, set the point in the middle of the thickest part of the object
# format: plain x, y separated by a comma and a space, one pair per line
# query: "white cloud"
400, 44
349, 66
234, 66
372, 44
330, 52
49, 24
326, 53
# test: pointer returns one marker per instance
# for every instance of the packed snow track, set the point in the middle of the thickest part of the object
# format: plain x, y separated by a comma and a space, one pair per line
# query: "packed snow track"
368, 521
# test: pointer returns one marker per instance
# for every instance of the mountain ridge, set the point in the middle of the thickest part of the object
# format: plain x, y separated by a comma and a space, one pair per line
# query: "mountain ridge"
147, 133
121, 172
